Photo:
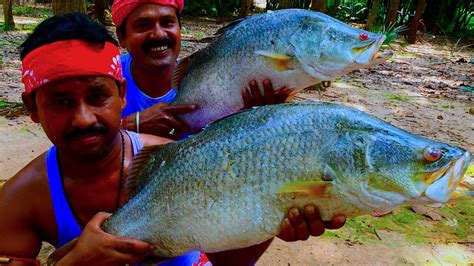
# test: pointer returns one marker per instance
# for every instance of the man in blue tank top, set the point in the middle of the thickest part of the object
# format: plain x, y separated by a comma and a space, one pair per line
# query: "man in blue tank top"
71, 189
150, 30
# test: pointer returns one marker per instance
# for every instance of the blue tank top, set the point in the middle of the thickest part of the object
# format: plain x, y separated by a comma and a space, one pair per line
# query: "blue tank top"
69, 228
137, 100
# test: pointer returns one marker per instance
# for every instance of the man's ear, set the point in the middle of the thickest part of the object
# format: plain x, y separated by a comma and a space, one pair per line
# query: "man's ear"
123, 93
30, 104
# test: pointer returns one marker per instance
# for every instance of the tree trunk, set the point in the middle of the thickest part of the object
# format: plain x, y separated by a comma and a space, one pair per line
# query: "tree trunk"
335, 7
8, 23
414, 24
372, 15
283, 4
244, 8
61, 7
99, 10
319, 5
392, 12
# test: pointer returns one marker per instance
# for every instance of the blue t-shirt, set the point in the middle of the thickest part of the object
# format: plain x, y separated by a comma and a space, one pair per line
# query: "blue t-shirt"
136, 99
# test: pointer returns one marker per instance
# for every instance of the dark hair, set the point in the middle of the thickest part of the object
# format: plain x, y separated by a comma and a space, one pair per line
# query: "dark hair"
121, 27
66, 27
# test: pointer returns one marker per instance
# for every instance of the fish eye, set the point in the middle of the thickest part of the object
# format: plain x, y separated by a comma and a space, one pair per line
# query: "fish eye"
432, 154
363, 37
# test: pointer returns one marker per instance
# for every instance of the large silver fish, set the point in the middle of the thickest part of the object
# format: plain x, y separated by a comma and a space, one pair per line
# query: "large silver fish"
231, 185
292, 47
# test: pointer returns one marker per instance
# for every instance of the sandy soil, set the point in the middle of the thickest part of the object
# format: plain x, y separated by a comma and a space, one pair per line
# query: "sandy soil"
425, 88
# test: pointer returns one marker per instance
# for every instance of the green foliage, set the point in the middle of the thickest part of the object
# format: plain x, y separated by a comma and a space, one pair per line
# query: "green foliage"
211, 7
31, 11
416, 228
351, 11
391, 32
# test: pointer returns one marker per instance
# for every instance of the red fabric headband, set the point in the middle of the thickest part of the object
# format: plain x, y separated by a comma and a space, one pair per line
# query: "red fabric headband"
122, 8
70, 58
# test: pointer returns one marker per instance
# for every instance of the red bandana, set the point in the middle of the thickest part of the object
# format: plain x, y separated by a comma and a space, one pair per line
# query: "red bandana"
122, 8
71, 58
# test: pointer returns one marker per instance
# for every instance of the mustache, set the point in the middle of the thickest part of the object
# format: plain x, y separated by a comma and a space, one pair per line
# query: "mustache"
79, 132
167, 41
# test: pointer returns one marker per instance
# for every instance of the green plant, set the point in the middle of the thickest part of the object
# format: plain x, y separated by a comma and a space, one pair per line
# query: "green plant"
352, 11
392, 32
31, 11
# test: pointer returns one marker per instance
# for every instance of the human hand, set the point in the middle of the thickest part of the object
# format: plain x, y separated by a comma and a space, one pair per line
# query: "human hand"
162, 120
253, 97
96, 247
299, 225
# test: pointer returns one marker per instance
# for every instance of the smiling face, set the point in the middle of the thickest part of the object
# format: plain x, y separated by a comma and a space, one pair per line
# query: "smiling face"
152, 36
80, 115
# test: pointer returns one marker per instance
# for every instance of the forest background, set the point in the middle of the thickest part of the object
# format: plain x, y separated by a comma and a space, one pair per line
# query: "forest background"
427, 88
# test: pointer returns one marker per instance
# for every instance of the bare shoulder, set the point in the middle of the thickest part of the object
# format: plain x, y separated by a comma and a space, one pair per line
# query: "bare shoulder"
20, 199
152, 140
30, 179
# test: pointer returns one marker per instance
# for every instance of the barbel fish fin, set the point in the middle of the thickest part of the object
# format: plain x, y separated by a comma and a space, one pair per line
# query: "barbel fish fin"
61, 252
310, 188
132, 186
179, 72
279, 62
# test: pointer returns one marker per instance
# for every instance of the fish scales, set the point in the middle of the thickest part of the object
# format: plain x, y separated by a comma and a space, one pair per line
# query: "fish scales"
221, 189
294, 48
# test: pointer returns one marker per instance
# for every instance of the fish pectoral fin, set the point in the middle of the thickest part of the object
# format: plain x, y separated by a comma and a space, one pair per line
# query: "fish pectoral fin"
61, 252
310, 188
137, 166
279, 62
179, 72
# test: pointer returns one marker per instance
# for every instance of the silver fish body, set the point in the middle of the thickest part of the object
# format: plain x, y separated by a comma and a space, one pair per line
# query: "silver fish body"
292, 47
230, 186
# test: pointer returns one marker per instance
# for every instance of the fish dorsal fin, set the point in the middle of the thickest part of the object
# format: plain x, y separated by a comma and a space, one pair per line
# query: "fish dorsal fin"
277, 61
179, 72
309, 188
230, 115
229, 26
136, 168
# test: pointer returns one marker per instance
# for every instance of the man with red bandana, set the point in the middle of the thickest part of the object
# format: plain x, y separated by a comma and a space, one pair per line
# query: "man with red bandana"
151, 32
68, 191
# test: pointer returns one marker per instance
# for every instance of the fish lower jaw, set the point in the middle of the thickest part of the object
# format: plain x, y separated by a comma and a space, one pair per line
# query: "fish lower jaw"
442, 188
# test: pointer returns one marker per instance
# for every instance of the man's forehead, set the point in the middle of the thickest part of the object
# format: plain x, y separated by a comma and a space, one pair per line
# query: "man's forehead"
73, 85
151, 9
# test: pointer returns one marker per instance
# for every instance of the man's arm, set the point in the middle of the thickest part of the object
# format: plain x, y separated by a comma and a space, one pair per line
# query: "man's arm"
20, 241
94, 246
159, 120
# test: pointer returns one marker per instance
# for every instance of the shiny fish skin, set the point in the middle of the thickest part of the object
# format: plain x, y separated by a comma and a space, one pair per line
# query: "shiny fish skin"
226, 187
292, 47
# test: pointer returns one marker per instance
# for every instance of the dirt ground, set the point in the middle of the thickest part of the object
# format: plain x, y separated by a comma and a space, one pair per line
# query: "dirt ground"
426, 88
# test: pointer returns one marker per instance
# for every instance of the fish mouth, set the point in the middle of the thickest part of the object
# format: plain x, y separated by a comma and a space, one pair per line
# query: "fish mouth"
369, 54
446, 182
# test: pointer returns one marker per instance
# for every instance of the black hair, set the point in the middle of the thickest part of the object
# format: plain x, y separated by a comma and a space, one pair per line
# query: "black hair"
123, 32
66, 27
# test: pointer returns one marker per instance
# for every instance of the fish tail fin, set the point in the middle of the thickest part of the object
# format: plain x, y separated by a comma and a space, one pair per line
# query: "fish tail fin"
61, 252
